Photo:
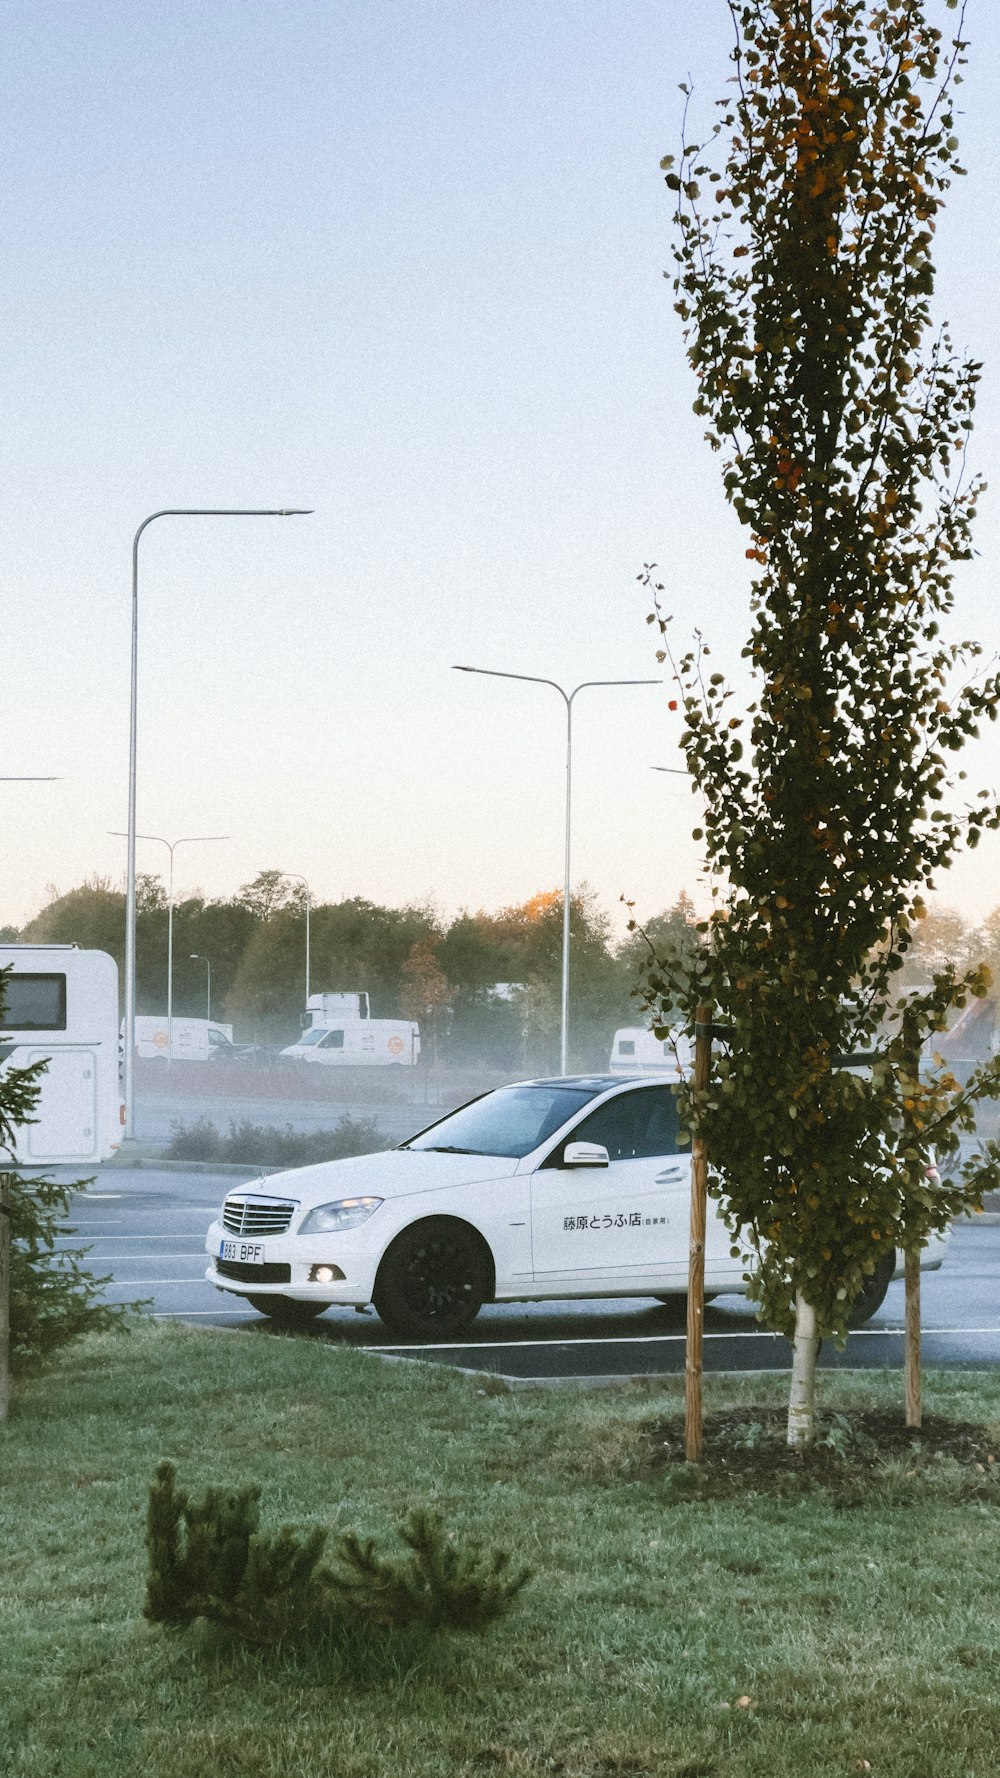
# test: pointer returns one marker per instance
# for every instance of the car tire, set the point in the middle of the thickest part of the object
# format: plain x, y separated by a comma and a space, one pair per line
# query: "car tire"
433, 1281
286, 1310
873, 1295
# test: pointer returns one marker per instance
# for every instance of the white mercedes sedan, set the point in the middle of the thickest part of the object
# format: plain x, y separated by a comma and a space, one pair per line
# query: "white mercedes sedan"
548, 1189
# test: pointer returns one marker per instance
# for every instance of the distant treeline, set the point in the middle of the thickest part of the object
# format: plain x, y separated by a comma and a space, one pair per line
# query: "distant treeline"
485, 988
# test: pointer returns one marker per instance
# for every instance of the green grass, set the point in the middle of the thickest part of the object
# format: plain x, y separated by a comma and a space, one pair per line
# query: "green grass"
862, 1624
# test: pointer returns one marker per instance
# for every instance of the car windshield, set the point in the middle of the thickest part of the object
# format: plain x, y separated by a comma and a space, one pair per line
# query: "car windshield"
512, 1121
315, 1035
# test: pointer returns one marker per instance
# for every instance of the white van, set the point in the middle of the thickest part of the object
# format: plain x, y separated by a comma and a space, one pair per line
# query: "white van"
636, 1050
62, 1007
191, 1040
358, 1043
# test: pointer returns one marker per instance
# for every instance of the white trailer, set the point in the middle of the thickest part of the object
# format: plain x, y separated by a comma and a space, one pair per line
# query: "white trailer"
637, 1050
190, 1040
62, 1008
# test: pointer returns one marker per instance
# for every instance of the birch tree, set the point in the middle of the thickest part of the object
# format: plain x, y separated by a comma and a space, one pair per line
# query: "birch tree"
804, 277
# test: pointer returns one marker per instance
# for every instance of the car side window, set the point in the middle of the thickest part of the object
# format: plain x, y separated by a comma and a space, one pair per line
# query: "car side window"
334, 1040
632, 1127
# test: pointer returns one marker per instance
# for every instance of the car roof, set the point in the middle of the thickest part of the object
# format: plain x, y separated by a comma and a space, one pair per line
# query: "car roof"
595, 1083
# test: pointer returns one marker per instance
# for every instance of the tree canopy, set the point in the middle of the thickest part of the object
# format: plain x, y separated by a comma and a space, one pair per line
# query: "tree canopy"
803, 237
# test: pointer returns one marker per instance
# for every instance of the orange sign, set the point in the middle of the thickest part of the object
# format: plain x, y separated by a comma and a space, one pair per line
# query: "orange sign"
396, 1046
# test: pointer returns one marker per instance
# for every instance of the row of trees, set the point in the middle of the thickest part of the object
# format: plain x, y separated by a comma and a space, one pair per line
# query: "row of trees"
484, 987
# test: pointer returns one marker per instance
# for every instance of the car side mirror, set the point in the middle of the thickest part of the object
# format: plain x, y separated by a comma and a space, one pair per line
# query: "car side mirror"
584, 1154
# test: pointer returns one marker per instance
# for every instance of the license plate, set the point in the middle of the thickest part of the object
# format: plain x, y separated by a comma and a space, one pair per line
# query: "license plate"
249, 1253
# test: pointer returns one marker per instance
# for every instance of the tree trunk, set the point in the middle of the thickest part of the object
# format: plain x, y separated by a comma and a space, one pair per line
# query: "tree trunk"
693, 1417
802, 1395
913, 1404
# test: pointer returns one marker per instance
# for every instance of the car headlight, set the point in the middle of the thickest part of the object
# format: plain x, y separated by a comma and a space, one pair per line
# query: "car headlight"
332, 1219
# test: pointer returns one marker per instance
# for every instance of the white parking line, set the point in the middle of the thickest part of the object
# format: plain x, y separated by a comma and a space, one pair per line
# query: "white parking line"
147, 1283
137, 1238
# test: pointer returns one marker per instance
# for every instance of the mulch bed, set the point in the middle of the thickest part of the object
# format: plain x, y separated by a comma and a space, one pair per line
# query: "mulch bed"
747, 1444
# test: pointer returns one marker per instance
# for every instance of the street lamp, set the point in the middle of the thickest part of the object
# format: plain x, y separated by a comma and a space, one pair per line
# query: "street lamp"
167, 512
567, 698
295, 878
188, 839
196, 959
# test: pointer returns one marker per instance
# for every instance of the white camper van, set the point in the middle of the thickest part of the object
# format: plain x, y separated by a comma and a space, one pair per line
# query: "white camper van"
636, 1050
191, 1040
62, 1007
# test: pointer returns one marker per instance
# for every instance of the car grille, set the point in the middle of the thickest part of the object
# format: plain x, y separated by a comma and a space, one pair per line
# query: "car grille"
234, 1268
257, 1216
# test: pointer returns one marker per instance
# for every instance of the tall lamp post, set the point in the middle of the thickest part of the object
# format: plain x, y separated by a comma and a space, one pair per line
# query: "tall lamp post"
187, 839
295, 878
208, 1005
174, 512
567, 698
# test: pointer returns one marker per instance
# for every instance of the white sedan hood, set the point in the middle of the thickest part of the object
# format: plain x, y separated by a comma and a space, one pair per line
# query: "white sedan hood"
394, 1174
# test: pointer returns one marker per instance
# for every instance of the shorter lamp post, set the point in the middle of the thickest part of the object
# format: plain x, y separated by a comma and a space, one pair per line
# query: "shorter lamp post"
196, 959
187, 839
567, 698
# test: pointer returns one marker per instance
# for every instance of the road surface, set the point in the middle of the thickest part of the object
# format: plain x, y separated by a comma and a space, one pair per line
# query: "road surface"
146, 1229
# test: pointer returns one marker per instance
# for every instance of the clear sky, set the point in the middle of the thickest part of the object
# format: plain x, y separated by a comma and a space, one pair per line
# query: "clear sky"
401, 261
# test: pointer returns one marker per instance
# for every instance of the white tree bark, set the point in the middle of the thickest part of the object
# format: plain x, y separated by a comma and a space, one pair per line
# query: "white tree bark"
802, 1395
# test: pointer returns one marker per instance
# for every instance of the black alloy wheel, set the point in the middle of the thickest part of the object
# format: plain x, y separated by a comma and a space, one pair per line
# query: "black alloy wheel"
873, 1295
432, 1282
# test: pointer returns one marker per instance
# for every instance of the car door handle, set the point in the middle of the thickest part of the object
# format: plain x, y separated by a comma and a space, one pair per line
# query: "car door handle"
671, 1174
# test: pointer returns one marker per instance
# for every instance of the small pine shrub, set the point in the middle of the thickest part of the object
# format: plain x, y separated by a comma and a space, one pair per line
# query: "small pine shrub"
210, 1560
54, 1299
440, 1586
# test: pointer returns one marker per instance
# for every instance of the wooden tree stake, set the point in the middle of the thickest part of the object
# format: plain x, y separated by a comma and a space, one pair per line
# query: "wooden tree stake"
696, 1254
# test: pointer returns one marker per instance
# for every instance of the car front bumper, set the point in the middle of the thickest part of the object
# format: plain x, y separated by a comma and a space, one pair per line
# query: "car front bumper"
286, 1265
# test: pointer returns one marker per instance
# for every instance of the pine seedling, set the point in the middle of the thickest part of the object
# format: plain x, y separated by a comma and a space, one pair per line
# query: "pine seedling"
438, 1585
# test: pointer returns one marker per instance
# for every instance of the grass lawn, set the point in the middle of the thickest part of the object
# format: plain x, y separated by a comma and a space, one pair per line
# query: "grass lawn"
672, 1629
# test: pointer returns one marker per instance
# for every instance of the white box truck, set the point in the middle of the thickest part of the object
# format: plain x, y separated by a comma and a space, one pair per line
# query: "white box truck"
61, 1007
191, 1040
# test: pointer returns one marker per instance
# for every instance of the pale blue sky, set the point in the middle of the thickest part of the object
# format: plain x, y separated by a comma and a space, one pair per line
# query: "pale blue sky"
402, 263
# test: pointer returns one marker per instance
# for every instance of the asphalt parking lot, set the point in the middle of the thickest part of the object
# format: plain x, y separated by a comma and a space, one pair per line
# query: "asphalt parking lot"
146, 1229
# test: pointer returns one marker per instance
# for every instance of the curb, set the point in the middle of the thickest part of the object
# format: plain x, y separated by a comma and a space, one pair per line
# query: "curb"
229, 1169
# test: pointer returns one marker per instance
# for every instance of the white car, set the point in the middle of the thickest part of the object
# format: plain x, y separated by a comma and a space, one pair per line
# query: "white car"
548, 1189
